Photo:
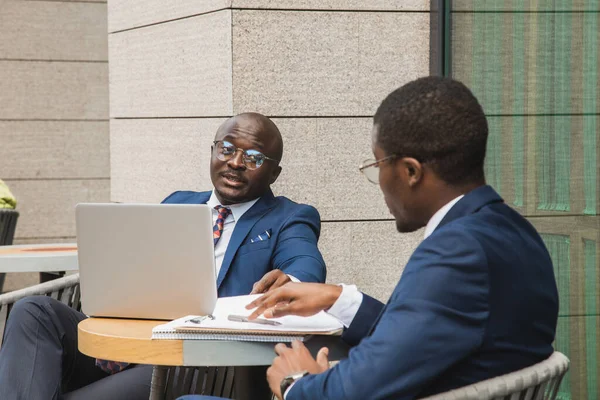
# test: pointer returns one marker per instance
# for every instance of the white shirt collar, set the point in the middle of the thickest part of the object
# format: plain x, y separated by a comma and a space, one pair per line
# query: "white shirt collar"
237, 210
439, 216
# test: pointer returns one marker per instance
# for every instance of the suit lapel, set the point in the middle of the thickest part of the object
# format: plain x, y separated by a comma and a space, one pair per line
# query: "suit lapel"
202, 197
242, 228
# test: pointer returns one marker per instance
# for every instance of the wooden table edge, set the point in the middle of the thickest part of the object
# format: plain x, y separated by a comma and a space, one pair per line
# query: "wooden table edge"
96, 339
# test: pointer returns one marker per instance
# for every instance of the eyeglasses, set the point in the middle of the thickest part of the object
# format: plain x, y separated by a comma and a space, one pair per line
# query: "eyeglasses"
370, 168
252, 159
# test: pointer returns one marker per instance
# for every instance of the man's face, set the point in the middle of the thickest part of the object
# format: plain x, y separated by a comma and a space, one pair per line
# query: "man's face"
233, 181
398, 194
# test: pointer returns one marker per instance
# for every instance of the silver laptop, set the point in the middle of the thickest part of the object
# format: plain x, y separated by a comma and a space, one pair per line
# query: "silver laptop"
152, 261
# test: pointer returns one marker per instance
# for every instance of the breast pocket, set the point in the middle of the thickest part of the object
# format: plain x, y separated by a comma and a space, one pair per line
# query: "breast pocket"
251, 247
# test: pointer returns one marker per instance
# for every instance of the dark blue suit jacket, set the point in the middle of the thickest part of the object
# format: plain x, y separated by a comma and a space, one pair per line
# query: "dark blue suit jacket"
477, 299
292, 247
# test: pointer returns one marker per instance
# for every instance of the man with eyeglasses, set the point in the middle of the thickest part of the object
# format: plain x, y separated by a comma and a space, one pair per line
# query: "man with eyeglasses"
261, 242
477, 298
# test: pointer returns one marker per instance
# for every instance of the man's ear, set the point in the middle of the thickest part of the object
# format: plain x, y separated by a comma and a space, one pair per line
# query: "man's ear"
414, 170
275, 175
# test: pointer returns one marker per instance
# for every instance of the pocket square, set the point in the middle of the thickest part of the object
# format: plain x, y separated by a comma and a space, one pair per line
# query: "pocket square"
266, 235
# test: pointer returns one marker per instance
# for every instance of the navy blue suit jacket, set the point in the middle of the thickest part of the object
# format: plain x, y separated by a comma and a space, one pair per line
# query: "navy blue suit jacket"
292, 247
477, 299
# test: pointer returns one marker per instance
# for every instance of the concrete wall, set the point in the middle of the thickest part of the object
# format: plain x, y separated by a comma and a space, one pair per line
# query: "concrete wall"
54, 149
318, 68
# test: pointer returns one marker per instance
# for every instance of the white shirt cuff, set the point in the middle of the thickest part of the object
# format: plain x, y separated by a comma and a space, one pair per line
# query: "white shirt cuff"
347, 305
294, 279
288, 390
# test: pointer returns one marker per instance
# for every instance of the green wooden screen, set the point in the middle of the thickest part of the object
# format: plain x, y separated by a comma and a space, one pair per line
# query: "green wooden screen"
534, 65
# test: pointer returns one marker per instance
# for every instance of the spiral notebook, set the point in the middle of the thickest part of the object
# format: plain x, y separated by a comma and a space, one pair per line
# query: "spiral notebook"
219, 325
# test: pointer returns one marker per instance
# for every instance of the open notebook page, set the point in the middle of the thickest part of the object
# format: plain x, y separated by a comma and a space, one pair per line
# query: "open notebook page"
319, 323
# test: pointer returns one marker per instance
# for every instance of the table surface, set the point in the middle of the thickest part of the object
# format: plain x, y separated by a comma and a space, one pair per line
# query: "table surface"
130, 340
39, 258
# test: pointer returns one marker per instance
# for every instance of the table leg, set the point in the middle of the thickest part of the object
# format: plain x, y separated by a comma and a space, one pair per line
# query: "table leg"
49, 276
250, 383
159, 382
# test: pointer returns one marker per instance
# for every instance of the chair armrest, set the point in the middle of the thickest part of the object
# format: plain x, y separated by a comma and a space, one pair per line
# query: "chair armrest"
540, 380
46, 288
64, 289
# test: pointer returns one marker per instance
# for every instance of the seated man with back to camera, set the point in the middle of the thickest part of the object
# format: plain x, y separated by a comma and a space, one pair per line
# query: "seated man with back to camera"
39, 358
477, 298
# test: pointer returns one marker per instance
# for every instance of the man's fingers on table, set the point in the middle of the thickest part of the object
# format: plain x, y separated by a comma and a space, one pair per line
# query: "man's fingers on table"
260, 305
280, 310
298, 345
281, 280
301, 349
268, 300
260, 301
262, 309
323, 358
264, 283
259, 287
281, 348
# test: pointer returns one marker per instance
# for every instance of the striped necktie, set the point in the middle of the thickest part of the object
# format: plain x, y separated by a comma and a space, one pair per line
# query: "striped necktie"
111, 367
218, 227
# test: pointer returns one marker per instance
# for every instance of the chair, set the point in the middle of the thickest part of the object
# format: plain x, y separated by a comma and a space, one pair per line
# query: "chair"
65, 290
167, 382
172, 382
538, 382
8, 224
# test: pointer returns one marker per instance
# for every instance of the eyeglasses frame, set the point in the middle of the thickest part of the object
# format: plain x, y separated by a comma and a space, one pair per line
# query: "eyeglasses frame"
375, 163
244, 153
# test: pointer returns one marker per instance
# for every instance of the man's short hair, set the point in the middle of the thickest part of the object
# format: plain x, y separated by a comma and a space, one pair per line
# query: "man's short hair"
437, 121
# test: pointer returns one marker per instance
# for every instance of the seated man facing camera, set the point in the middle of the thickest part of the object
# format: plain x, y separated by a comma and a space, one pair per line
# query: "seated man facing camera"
39, 358
477, 298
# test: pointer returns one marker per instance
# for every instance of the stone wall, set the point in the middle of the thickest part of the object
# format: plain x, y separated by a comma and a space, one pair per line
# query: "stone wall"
54, 149
318, 68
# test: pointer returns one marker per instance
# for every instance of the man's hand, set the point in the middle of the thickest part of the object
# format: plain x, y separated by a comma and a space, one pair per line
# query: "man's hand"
302, 299
293, 360
271, 280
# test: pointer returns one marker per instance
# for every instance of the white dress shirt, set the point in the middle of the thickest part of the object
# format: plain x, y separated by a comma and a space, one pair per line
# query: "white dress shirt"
237, 210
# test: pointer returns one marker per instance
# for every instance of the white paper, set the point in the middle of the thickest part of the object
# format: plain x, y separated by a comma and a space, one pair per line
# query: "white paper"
321, 322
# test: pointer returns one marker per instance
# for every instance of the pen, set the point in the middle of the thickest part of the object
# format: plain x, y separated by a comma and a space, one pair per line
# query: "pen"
198, 320
241, 318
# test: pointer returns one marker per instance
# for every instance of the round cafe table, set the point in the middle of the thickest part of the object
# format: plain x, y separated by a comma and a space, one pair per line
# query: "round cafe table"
39, 258
130, 340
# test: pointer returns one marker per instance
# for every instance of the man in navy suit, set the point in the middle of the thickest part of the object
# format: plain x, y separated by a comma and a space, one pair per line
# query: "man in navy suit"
271, 233
477, 298
261, 242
